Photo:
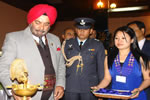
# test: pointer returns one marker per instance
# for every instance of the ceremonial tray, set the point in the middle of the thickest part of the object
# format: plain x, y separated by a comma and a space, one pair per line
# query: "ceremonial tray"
115, 94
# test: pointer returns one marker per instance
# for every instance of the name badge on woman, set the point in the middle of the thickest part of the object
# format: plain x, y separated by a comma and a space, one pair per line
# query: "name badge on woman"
121, 79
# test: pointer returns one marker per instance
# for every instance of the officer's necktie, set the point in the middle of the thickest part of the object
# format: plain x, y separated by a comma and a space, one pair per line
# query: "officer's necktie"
80, 44
41, 42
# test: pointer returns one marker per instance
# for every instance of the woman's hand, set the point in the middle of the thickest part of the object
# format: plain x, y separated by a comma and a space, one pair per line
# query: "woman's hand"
95, 88
135, 93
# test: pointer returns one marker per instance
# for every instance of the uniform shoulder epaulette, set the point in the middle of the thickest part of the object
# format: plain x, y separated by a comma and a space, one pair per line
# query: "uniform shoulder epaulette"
96, 39
69, 39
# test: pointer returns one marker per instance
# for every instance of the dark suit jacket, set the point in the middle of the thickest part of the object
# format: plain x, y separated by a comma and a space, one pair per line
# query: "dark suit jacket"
146, 48
146, 51
92, 53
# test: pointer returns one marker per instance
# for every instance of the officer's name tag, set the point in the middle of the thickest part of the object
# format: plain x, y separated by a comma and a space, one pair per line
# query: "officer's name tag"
121, 79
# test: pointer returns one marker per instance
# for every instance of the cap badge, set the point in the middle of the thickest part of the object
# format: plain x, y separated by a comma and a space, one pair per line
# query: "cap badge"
70, 46
82, 22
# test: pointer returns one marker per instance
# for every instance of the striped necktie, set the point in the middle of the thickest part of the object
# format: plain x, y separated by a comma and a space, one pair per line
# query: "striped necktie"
41, 42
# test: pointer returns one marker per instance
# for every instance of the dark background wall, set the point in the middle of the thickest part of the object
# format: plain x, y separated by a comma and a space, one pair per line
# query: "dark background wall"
14, 19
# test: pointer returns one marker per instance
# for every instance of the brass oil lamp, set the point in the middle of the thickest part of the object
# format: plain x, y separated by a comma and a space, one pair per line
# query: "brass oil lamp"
18, 71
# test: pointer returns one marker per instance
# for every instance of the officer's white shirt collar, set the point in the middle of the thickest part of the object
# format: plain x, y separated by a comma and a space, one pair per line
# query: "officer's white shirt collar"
80, 41
37, 39
141, 43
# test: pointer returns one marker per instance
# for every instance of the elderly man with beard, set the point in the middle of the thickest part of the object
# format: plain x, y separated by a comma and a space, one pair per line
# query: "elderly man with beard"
40, 50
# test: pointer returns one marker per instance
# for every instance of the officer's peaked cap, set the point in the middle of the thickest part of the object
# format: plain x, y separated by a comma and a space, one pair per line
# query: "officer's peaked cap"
84, 23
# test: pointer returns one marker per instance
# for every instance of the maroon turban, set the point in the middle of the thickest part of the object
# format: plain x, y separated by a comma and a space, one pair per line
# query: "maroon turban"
39, 10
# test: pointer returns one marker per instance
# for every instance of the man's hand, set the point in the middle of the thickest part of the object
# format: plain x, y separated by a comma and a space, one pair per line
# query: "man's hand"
59, 92
17, 97
20, 98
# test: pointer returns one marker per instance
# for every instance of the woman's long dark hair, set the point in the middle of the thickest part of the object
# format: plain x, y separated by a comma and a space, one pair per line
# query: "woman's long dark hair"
133, 47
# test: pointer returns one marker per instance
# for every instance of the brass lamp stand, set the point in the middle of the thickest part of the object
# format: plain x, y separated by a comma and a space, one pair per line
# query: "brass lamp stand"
18, 71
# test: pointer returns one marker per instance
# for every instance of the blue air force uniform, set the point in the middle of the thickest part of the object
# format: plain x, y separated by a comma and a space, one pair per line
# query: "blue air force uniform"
78, 82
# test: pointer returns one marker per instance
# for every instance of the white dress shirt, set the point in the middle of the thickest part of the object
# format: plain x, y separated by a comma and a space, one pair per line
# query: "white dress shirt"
141, 43
37, 39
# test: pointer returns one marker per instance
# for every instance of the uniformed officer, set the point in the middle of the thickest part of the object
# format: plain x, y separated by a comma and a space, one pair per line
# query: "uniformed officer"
84, 61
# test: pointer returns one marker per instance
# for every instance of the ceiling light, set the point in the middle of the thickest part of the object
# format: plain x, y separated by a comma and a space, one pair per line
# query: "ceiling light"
113, 5
100, 4
128, 9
